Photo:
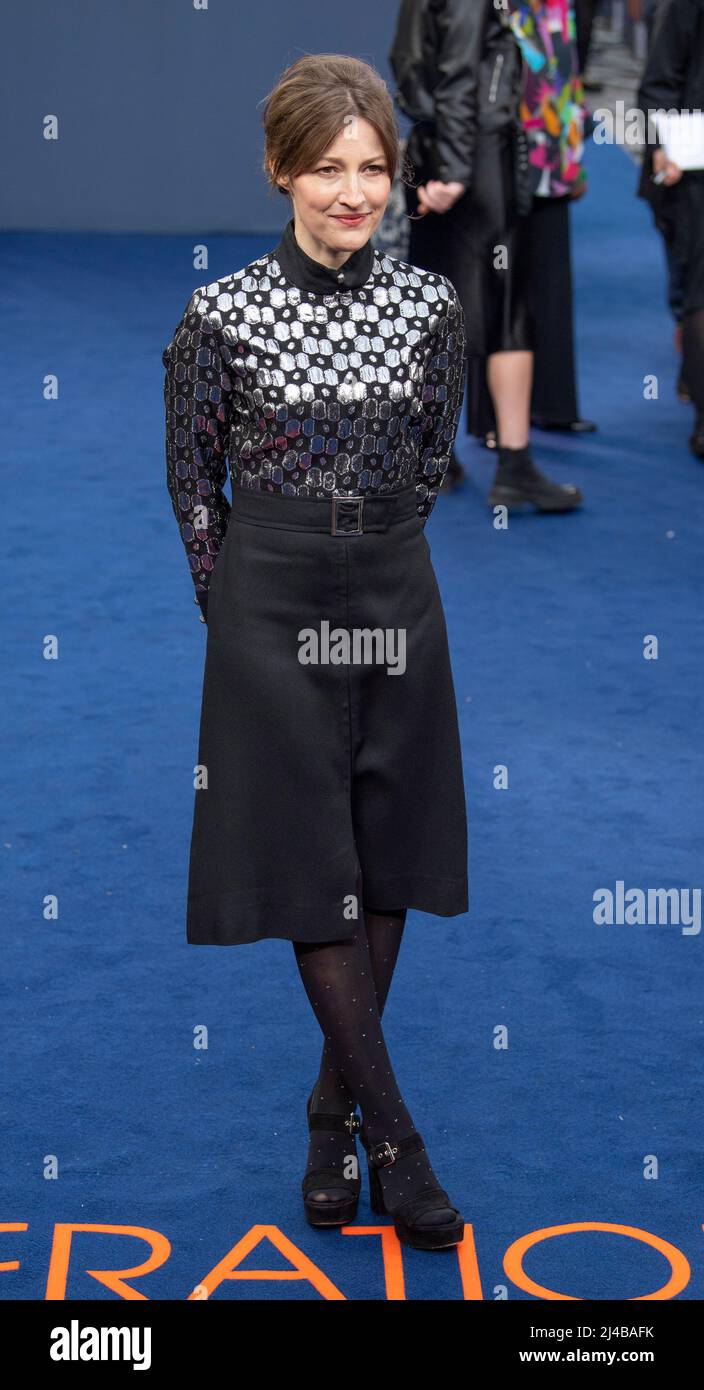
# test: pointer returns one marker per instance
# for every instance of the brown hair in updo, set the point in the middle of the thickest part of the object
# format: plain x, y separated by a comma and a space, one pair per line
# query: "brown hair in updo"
306, 111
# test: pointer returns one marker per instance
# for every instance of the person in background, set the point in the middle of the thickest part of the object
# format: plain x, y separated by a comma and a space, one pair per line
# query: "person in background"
645, 11
458, 70
584, 18
649, 11
552, 113
674, 80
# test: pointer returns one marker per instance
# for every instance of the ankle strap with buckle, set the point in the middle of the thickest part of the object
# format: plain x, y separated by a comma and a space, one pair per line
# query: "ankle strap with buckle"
382, 1155
318, 1119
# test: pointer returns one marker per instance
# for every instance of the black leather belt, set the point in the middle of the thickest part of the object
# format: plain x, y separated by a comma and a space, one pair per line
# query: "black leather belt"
337, 515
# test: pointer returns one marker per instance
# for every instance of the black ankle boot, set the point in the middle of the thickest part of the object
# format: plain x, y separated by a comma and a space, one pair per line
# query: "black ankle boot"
427, 1220
517, 480
329, 1198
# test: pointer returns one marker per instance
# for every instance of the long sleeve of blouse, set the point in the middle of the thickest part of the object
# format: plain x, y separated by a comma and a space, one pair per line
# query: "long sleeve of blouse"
198, 400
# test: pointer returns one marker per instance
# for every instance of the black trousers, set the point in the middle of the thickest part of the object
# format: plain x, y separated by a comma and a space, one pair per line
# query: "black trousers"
584, 21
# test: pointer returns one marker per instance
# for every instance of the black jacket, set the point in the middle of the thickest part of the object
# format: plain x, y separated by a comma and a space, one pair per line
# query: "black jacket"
457, 68
674, 73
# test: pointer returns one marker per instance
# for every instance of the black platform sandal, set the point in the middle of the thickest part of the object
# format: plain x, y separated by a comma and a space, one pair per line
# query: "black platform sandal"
405, 1216
331, 1211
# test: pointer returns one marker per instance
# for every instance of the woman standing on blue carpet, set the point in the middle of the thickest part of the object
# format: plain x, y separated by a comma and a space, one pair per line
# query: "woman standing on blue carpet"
331, 796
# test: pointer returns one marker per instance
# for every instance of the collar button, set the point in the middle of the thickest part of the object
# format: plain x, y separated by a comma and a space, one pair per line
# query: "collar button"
341, 278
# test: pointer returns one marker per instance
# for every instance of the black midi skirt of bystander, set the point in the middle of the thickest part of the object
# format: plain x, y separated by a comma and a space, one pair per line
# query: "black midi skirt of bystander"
330, 773
482, 245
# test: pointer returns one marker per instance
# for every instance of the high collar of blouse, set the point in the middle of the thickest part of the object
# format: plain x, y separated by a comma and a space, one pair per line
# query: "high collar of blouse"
312, 275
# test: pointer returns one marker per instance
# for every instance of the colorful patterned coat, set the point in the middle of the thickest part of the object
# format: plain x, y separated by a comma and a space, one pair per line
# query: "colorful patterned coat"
552, 97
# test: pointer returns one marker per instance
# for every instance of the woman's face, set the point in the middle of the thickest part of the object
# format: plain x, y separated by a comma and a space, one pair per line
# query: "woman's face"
339, 202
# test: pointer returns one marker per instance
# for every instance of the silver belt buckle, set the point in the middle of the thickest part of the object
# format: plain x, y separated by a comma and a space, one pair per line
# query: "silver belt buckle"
337, 501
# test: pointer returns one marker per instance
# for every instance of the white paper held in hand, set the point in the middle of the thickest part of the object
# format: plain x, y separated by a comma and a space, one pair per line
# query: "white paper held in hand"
682, 135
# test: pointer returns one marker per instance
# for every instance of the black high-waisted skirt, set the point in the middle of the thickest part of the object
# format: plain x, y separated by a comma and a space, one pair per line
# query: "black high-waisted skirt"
329, 751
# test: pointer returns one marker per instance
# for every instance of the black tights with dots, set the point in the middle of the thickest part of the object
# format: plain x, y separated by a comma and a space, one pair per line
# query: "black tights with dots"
347, 983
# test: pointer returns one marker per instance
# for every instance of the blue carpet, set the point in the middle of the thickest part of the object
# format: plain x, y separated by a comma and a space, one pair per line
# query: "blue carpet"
602, 1072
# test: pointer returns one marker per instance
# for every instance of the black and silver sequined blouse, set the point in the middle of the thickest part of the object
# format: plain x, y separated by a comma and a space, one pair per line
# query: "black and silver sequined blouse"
310, 381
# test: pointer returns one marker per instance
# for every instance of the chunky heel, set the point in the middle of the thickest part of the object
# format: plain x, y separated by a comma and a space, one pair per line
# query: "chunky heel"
409, 1229
376, 1195
331, 1211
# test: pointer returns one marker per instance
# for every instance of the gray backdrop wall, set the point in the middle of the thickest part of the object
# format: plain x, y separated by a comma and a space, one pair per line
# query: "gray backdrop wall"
159, 122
